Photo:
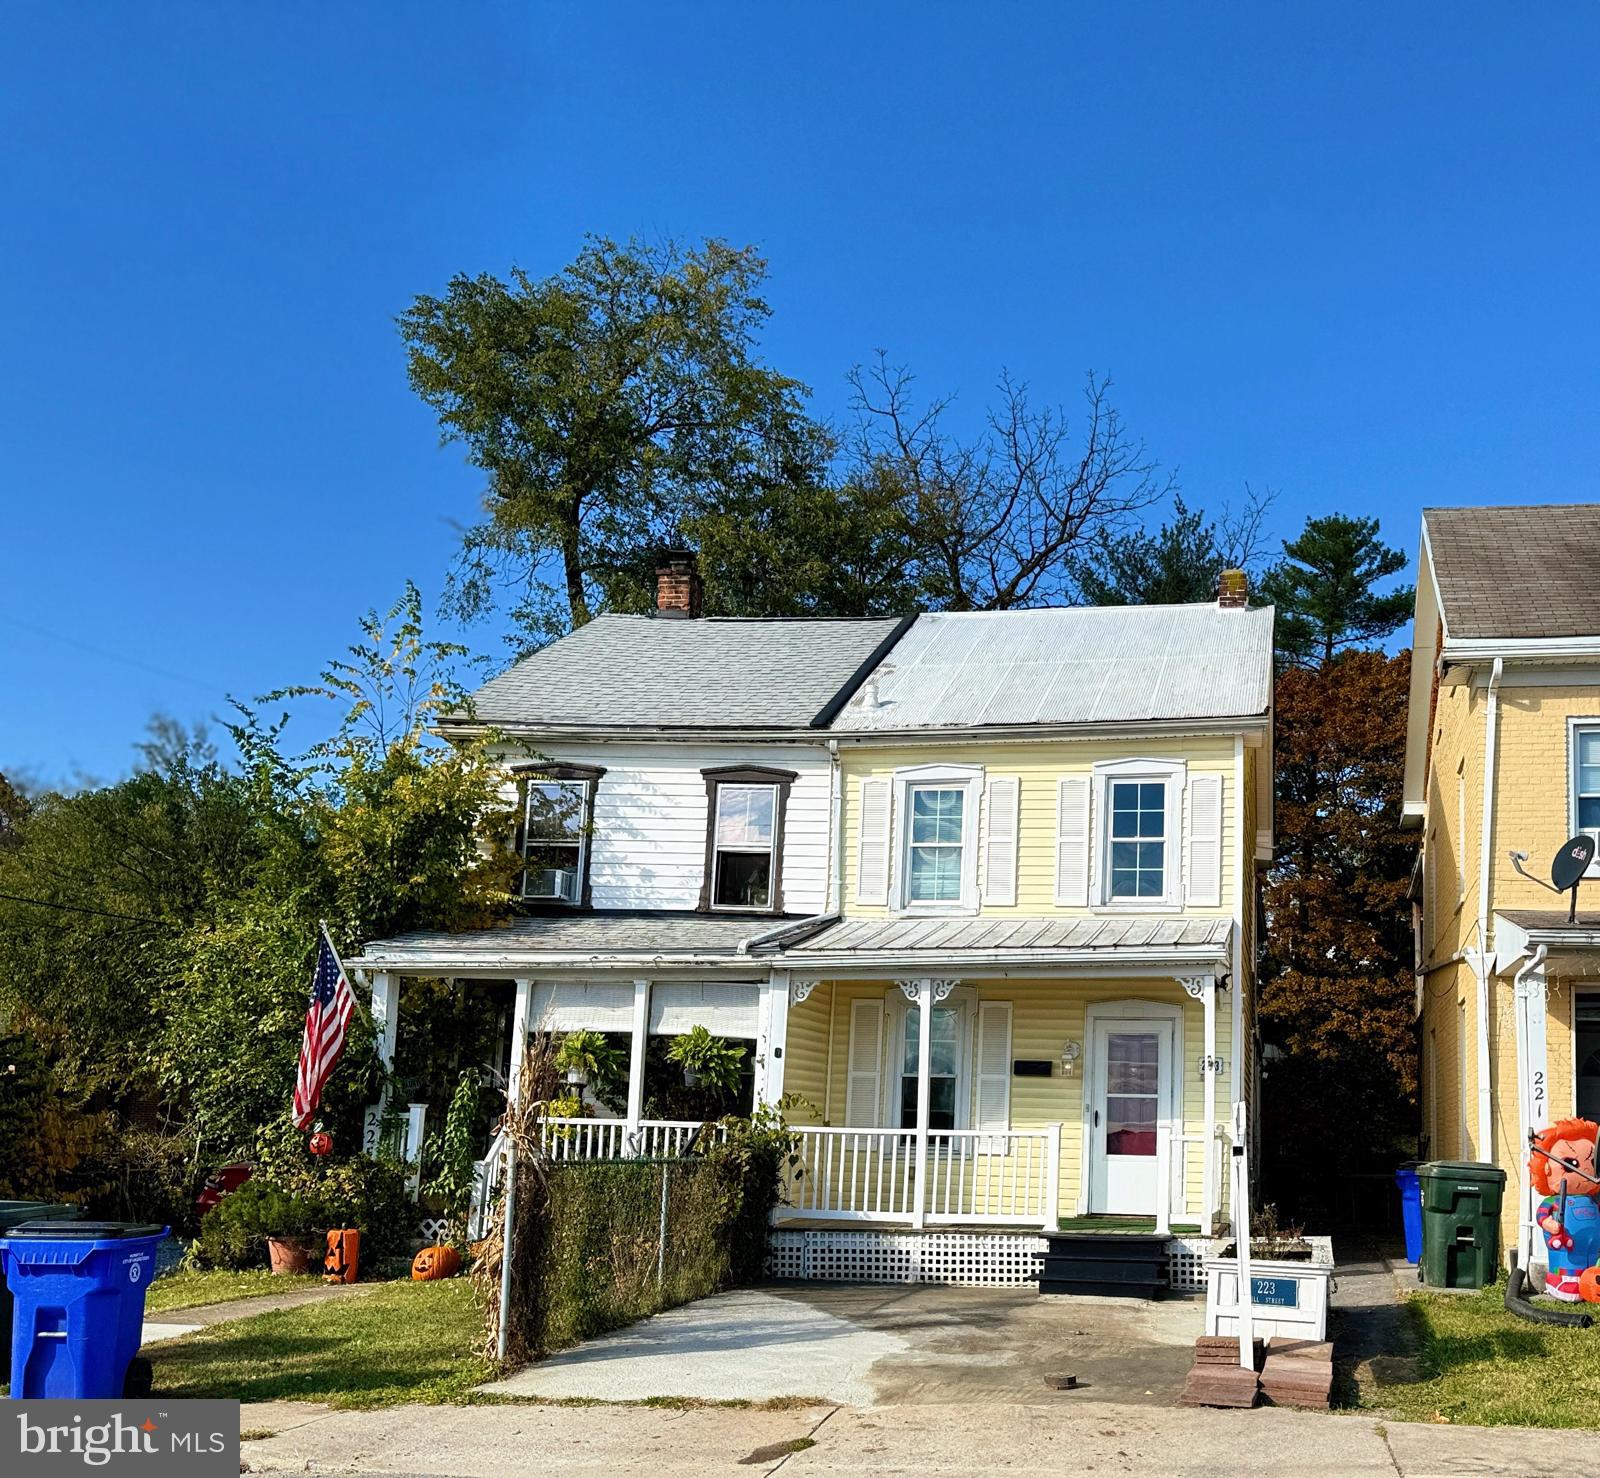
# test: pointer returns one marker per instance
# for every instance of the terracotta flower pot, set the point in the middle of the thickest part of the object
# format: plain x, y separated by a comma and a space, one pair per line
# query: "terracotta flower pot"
288, 1255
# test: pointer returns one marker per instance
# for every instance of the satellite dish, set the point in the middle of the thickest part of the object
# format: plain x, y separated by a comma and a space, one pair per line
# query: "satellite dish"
1572, 862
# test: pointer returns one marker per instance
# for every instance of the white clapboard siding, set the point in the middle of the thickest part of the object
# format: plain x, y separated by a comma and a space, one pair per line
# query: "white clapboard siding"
649, 842
1000, 843
872, 847
1073, 841
1204, 882
865, 1065
992, 1096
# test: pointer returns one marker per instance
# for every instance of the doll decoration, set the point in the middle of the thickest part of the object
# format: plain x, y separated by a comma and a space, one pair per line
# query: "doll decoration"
1564, 1171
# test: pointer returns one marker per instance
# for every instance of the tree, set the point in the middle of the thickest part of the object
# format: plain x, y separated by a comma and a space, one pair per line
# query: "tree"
994, 519
1178, 564
608, 405
1324, 590
13, 807
1337, 989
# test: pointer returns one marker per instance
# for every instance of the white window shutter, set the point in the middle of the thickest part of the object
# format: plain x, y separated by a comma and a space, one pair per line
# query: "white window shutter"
1072, 841
872, 844
862, 1099
1205, 841
992, 1110
1000, 847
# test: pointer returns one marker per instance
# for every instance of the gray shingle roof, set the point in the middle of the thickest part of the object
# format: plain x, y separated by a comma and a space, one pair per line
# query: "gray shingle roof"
1089, 664
1517, 571
647, 673
952, 936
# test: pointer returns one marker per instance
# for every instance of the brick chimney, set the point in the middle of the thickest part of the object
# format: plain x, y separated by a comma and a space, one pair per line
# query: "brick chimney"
678, 590
1233, 590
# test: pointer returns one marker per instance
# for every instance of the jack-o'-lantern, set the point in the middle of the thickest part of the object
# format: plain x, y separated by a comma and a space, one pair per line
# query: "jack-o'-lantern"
441, 1261
321, 1143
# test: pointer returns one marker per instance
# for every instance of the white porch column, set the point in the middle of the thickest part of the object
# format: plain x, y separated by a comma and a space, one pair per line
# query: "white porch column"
1533, 1087
519, 1039
636, 1050
923, 994
386, 1015
1203, 988
773, 1034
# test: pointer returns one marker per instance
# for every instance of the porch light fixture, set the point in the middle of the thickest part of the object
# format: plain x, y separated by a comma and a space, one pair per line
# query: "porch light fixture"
1070, 1053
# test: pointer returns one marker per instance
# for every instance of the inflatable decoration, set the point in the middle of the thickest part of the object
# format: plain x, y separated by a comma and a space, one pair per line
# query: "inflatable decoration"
1564, 1171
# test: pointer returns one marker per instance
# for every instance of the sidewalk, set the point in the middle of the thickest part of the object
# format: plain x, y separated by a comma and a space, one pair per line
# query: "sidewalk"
1055, 1439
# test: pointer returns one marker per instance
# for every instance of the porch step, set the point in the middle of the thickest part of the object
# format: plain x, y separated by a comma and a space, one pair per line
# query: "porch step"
1119, 1264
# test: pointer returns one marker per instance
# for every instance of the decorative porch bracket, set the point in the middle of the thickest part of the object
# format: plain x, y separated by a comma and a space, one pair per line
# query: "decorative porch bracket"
1203, 988
1531, 992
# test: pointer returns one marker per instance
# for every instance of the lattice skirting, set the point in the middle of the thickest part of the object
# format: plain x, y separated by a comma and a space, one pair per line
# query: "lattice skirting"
963, 1259
433, 1229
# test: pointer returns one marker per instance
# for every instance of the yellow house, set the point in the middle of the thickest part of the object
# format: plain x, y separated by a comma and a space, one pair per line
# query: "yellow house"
976, 892
1051, 827
1502, 767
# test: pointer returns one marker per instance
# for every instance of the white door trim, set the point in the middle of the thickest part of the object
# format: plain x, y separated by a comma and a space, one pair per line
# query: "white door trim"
1132, 1012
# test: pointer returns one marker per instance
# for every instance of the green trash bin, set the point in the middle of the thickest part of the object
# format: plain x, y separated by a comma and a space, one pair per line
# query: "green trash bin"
1460, 1223
13, 1214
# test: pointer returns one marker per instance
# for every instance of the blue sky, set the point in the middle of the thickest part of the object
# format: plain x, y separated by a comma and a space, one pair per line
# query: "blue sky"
1348, 253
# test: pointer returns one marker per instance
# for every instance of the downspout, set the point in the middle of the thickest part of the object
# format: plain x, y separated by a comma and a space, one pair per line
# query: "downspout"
836, 830
1491, 733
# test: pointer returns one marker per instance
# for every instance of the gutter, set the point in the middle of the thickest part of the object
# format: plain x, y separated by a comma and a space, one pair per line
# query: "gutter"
875, 962
1481, 649
1485, 957
780, 933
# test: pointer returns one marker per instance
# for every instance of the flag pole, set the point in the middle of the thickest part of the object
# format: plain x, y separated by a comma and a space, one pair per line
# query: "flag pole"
365, 1013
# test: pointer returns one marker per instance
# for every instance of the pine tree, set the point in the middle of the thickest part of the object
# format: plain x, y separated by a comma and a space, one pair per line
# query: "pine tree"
1325, 593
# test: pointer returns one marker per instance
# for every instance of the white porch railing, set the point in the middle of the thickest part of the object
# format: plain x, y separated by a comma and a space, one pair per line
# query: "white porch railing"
999, 1177
611, 1139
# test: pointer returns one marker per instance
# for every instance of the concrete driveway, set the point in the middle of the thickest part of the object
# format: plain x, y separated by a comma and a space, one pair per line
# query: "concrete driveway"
882, 1346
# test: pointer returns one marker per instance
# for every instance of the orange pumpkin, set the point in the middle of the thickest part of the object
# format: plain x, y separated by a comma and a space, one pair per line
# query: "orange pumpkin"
1589, 1285
441, 1261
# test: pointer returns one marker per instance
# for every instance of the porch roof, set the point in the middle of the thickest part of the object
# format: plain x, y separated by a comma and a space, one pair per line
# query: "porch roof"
1121, 941
584, 940
1572, 949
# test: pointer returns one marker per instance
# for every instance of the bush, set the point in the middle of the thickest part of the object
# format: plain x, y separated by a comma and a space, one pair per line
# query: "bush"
233, 1234
142, 1175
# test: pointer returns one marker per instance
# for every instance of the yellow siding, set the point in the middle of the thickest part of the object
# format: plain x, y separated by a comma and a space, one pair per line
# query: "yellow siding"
805, 1071
1039, 766
1045, 1014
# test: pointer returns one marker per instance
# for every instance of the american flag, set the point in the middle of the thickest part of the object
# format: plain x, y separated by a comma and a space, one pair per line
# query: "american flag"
327, 1021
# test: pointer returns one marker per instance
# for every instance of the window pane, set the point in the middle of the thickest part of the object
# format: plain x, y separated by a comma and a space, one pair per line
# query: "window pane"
1589, 746
936, 874
744, 815
744, 879
555, 809
1138, 869
1589, 779
1130, 1126
942, 1103
936, 815
553, 872
943, 1033
1588, 812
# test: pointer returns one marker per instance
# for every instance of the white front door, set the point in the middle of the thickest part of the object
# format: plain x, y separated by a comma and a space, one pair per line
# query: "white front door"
1132, 1091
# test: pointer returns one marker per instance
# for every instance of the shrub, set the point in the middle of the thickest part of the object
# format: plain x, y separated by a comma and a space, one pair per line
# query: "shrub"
233, 1234
142, 1175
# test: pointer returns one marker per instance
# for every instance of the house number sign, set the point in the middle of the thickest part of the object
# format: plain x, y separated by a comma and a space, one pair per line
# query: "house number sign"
1282, 1293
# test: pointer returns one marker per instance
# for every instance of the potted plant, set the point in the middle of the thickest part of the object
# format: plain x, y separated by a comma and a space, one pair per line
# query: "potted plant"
587, 1058
708, 1062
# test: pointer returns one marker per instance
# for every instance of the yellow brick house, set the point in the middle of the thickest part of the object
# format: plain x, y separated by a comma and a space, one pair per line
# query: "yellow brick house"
1503, 766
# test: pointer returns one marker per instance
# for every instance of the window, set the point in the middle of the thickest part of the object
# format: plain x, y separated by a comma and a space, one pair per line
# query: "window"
944, 1062
937, 844
1585, 807
555, 839
746, 828
1138, 839
745, 808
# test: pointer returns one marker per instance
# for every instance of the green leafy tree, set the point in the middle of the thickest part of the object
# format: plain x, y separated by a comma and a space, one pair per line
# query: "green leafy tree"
1325, 590
607, 405
13, 807
1179, 563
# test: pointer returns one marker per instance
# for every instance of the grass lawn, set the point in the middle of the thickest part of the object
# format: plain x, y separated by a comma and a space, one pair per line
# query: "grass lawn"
1481, 1366
191, 1290
399, 1342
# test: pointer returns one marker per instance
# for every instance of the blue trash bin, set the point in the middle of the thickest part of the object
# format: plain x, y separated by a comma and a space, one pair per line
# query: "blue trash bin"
79, 1293
1410, 1210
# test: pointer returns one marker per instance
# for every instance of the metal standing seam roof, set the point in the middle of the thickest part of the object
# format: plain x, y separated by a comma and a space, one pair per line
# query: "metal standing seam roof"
1518, 571
1078, 665
1132, 935
620, 934
620, 672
